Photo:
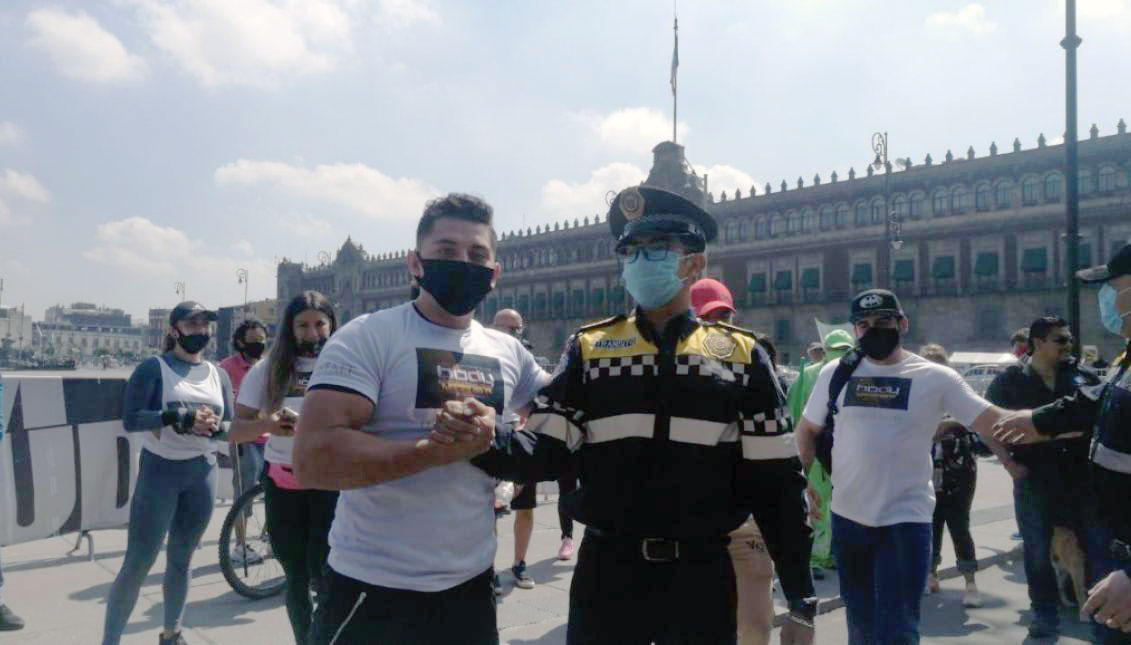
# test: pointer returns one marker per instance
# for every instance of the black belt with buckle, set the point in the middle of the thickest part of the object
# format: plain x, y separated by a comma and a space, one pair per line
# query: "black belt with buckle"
660, 549
1120, 550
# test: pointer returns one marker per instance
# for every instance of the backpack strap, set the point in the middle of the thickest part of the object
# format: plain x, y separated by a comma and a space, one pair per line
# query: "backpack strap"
839, 379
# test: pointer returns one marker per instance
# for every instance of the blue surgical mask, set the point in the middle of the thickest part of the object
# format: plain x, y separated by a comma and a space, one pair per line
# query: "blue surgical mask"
1110, 317
653, 283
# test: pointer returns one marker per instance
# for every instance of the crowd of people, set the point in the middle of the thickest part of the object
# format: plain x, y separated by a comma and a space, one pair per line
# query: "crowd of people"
697, 476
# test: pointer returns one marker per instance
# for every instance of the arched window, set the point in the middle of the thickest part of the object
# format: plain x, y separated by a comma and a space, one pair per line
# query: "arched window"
960, 199
777, 225
793, 222
760, 228
826, 218
1029, 190
899, 205
938, 203
1052, 187
1107, 179
916, 206
1086, 182
842, 216
730, 233
1003, 194
808, 220
744, 229
878, 211
982, 197
861, 217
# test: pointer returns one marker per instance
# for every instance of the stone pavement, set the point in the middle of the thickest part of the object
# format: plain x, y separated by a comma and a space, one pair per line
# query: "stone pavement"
63, 598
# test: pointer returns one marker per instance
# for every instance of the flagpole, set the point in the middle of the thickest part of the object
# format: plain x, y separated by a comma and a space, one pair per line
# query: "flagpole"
675, 66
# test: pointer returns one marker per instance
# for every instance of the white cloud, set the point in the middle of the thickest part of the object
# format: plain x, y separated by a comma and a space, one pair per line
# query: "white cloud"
358, 187
81, 49
631, 130
563, 199
19, 186
10, 134
137, 246
970, 19
401, 14
244, 247
721, 177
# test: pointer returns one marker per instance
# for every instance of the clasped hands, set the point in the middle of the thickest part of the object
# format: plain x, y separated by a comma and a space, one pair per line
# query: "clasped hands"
463, 429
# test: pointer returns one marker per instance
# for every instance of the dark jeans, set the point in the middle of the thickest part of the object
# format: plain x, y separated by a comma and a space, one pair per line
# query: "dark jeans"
356, 613
298, 523
618, 598
173, 497
953, 509
883, 570
1037, 510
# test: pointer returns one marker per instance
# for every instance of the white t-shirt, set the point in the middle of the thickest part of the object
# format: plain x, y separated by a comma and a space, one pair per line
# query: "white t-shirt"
886, 420
433, 530
253, 394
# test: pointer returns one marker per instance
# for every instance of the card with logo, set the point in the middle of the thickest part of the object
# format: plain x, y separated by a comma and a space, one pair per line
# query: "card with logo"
444, 375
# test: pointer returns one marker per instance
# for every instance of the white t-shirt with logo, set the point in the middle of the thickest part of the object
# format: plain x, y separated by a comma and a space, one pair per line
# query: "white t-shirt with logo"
886, 420
253, 394
433, 530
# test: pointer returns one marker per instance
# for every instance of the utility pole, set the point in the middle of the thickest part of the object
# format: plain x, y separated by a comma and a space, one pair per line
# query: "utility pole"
675, 67
1070, 44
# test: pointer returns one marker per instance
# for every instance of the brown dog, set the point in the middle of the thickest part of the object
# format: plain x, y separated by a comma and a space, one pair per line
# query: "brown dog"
1068, 560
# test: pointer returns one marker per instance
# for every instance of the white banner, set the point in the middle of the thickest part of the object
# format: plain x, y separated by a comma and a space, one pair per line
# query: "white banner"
824, 328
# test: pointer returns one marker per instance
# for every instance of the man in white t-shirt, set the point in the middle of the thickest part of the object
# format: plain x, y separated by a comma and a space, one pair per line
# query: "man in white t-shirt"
883, 499
412, 547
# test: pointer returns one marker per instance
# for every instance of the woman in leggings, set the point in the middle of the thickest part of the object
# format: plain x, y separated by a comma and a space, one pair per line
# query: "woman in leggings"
182, 404
270, 401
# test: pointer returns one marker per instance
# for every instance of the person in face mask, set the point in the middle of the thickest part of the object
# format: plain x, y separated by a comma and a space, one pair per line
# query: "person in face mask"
270, 403
249, 341
412, 544
886, 413
182, 404
1107, 409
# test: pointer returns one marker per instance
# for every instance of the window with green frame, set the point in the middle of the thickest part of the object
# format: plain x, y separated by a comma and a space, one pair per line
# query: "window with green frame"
903, 271
783, 281
943, 268
986, 265
861, 274
1034, 261
757, 283
811, 278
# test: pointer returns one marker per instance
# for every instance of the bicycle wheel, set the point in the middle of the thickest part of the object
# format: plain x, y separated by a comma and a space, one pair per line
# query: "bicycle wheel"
250, 568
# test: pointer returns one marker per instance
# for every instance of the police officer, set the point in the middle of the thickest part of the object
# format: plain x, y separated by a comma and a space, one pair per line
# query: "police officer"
682, 433
1106, 408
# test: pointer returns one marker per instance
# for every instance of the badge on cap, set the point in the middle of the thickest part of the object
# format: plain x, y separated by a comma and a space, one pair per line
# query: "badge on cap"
631, 203
871, 301
719, 345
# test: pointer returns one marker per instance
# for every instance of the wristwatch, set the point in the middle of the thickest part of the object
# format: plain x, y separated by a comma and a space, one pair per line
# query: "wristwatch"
804, 608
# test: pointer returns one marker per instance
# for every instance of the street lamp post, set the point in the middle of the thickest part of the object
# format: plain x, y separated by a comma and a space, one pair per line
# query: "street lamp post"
179, 288
893, 225
1071, 188
241, 278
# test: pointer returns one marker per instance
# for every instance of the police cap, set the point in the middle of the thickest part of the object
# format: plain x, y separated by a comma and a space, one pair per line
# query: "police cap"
1120, 264
644, 210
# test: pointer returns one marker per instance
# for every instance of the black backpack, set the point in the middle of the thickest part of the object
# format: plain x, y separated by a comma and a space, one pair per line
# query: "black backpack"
839, 379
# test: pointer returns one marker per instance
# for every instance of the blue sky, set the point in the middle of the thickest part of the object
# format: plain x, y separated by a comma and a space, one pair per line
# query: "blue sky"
144, 142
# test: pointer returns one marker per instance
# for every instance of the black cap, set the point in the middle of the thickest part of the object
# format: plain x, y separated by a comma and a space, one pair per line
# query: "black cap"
643, 210
1120, 264
873, 302
190, 308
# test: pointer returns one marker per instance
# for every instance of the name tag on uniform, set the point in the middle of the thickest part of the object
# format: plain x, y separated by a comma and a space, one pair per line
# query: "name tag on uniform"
886, 392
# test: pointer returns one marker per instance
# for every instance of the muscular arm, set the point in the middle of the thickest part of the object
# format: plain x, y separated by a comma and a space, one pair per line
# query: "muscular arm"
806, 433
248, 425
331, 452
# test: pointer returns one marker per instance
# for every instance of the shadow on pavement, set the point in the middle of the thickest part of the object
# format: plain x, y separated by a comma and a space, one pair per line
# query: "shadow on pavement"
555, 636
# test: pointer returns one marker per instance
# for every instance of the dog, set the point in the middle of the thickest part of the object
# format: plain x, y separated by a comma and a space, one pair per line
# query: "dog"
1068, 562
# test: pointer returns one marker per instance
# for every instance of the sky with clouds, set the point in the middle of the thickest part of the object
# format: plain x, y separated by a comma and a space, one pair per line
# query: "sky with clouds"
144, 142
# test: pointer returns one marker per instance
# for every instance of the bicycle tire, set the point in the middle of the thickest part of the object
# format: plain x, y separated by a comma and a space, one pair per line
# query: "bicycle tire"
272, 587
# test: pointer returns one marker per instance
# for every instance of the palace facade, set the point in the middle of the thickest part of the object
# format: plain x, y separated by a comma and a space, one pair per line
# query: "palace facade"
974, 246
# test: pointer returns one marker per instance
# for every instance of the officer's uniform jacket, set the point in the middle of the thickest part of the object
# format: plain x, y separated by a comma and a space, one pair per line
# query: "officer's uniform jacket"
679, 436
1107, 408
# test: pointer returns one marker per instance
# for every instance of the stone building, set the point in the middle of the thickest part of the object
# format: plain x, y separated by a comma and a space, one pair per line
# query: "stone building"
974, 246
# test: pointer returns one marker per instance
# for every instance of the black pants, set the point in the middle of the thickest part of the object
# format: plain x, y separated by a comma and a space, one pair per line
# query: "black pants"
618, 598
953, 509
298, 523
567, 483
356, 613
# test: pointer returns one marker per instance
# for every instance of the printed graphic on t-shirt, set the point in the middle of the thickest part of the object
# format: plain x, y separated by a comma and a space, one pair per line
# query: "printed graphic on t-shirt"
299, 387
887, 392
444, 375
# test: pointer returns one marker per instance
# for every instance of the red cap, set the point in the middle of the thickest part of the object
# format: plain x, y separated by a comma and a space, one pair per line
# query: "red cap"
707, 295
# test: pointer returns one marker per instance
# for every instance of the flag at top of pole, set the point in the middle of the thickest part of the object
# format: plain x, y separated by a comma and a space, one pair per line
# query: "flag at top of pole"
675, 66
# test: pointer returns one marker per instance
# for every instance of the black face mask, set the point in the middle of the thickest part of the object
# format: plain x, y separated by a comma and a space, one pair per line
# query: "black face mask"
310, 348
193, 343
254, 349
457, 286
879, 343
